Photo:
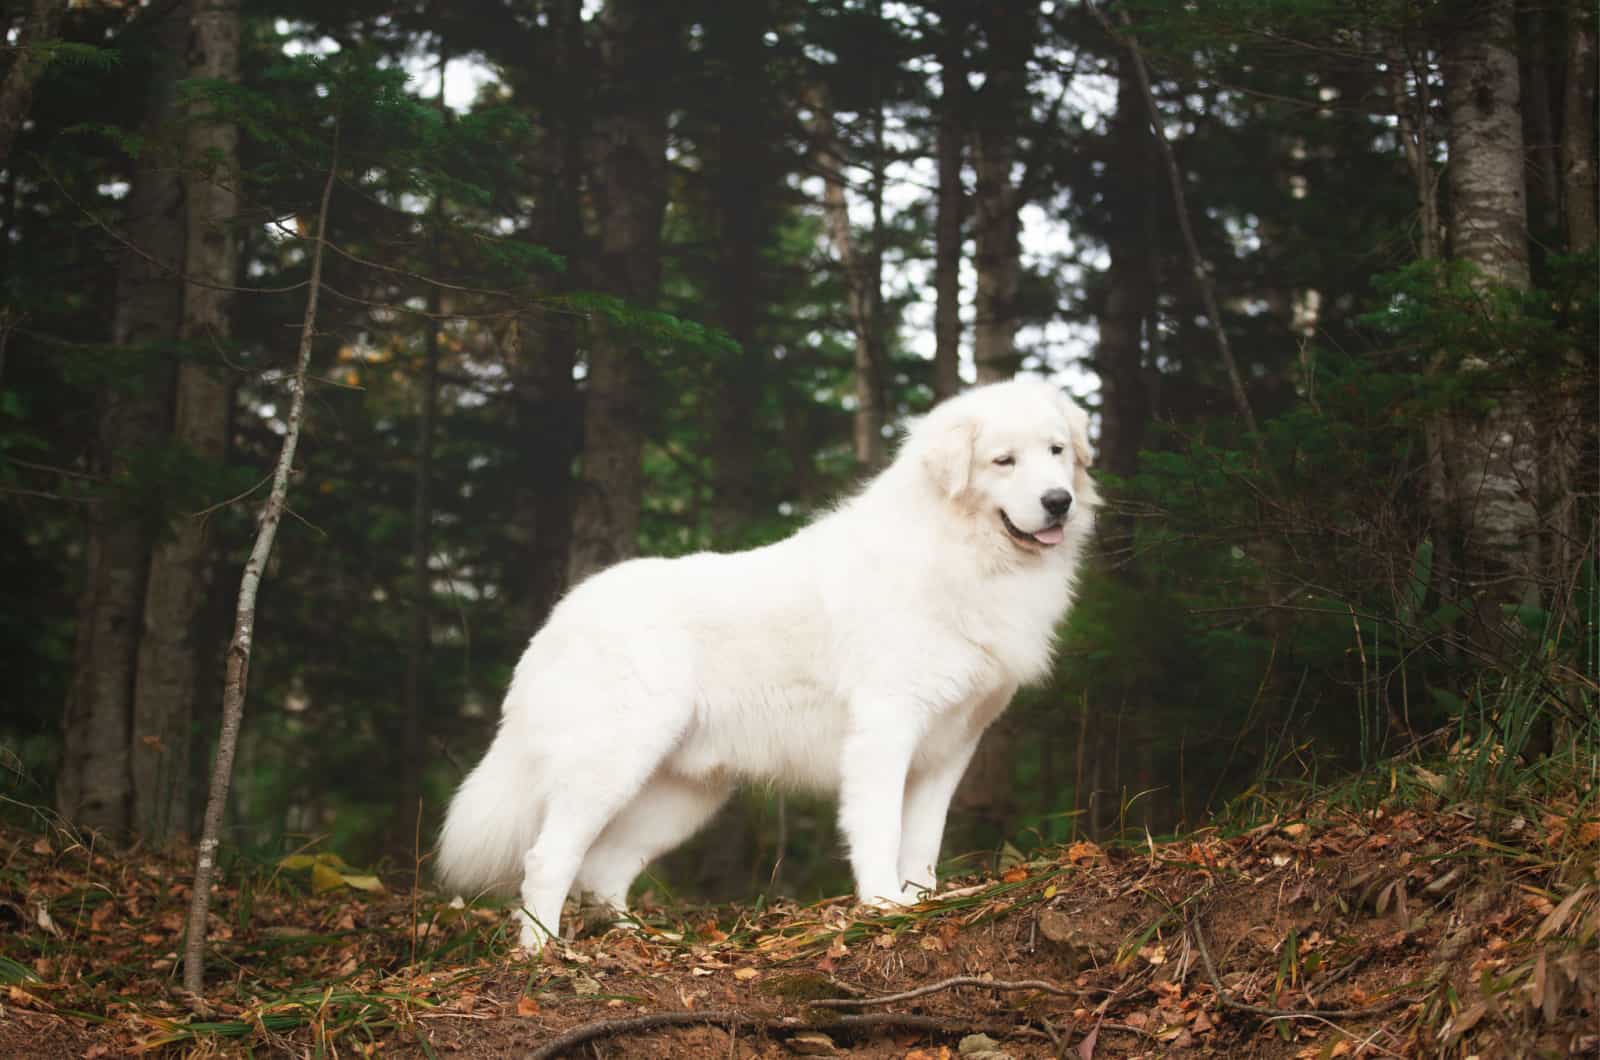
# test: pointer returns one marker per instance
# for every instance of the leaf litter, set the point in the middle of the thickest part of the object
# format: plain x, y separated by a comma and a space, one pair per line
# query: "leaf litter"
1388, 932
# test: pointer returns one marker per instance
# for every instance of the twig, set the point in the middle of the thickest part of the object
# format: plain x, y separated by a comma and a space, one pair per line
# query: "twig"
1228, 1001
731, 1019
239, 648
1041, 985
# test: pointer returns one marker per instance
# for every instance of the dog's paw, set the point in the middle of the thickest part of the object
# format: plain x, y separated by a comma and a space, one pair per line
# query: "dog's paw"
900, 899
531, 938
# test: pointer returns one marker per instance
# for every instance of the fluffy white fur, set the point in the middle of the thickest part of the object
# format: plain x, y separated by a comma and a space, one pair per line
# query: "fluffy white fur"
864, 655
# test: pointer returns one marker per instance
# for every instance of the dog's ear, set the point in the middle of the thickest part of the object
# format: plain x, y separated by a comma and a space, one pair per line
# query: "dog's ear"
1078, 429
946, 450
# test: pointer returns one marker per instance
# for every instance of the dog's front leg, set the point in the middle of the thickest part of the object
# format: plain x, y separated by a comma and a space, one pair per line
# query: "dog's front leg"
928, 794
872, 771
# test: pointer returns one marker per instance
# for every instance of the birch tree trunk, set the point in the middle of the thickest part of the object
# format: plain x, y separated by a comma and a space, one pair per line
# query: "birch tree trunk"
1495, 484
244, 622
95, 787
169, 666
39, 31
951, 203
630, 190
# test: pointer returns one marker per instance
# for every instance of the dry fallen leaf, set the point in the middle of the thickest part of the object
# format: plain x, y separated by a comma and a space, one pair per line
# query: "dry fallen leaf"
1083, 850
527, 1006
745, 974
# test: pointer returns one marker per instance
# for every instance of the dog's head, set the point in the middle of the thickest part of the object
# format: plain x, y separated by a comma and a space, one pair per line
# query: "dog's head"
1014, 453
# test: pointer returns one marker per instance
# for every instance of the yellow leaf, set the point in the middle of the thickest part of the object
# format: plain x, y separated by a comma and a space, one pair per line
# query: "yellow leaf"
364, 883
745, 974
296, 862
325, 879
1050, 891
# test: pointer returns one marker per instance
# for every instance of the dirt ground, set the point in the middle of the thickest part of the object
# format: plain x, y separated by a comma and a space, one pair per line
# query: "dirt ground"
1383, 933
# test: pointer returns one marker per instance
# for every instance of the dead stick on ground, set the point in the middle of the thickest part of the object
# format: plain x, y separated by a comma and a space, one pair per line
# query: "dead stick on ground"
238, 657
732, 1020
1040, 985
1228, 1000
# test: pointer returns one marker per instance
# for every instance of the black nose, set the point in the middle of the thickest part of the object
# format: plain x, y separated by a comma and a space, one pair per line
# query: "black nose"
1056, 502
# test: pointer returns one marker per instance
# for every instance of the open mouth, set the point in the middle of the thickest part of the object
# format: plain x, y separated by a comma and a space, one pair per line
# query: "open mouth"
1046, 537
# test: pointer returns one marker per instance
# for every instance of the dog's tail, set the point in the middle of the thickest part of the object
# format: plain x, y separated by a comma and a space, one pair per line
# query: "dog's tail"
493, 820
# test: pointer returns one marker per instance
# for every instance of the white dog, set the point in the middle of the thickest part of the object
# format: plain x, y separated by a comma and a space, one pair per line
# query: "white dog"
865, 655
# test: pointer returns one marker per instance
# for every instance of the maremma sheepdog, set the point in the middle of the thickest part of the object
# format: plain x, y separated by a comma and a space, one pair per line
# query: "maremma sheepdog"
863, 656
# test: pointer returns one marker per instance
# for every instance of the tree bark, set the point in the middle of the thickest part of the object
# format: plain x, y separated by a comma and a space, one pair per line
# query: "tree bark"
999, 114
951, 202
39, 31
546, 349
95, 788
630, 184
1130, 295
414, 697
1495, 489
1489, 201
169, 664
1580, 188
744, 180
244, 622
863, 275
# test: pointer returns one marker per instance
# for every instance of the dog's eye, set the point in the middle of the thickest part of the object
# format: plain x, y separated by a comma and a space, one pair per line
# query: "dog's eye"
1005, 460
1057, 450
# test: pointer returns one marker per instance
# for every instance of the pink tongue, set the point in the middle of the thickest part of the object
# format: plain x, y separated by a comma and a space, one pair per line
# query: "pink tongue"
1050, 535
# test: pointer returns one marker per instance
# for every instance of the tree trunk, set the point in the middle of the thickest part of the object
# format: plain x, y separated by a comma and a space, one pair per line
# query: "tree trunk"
743, 179
1131, 201
411, 756
169, 666
1495, 488
95, 788
630, 184
1579, 186
863, 274
31, 55
951, 203
1489, 202
1000, 112
546, 349
1572, 431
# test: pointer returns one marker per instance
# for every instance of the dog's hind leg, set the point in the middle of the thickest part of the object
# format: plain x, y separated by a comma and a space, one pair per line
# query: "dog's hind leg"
601, 784
666, 811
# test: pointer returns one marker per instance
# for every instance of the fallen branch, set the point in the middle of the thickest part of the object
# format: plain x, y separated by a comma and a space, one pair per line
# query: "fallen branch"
1229, 1001
734, 1021
1041, 985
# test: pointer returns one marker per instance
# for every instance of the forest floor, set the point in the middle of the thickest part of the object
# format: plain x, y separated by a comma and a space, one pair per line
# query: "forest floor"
1332, 933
